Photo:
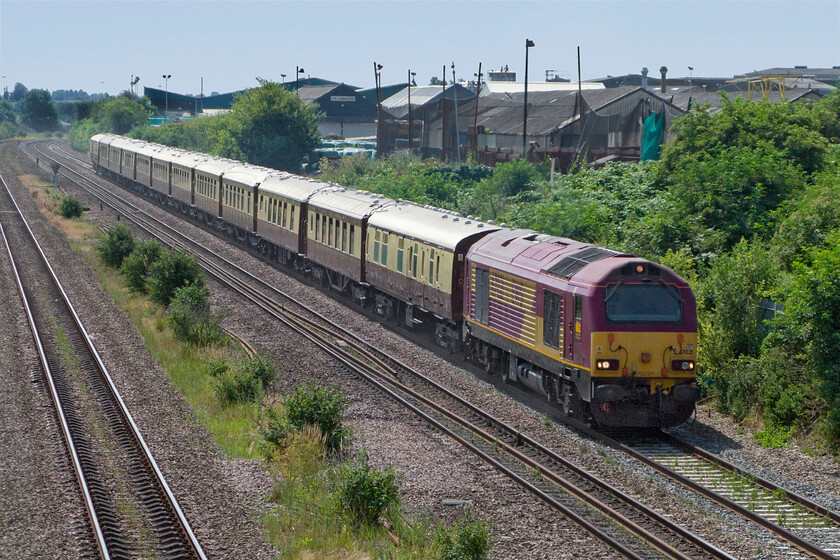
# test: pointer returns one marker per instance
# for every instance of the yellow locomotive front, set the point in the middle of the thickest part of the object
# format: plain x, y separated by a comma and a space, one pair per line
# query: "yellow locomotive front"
643, 344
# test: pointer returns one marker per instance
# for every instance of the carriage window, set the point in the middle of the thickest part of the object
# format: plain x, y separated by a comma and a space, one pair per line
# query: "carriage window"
352, 238
431, 266
337, 233
400, 251
376, 247
647, 303
384, 249
414, 260
292, 218
323, 229
317, 227
343, 237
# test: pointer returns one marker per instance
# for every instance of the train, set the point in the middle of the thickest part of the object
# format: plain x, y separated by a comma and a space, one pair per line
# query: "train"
607, 337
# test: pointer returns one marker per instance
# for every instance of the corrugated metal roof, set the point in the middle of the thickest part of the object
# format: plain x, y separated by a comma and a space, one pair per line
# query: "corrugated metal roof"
440, 227
488, 88
397, 104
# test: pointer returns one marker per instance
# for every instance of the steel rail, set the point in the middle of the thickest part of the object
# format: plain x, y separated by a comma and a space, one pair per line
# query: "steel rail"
185, 527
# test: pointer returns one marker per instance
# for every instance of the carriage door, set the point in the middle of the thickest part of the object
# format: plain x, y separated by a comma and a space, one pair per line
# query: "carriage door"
482, 295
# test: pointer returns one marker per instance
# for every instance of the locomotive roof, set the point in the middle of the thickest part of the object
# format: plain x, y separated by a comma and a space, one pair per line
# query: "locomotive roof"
349, 202
434, 225
529, 253
294, 187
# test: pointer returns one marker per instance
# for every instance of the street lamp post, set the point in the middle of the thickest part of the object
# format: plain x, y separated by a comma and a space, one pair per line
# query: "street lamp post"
283, 76
528, 44
298, 72
690, 75
377, 74
475, 115
166, 97
410, 81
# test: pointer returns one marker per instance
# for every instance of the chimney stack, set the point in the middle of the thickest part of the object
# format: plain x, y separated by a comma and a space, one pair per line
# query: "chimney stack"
663, 71
644, 77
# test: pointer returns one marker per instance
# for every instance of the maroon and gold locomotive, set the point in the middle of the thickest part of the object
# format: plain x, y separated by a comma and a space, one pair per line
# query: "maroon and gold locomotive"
608, 336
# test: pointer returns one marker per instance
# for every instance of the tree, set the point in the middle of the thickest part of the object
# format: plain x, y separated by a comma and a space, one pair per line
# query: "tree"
273, 127
7, 113
116, 246
18, 93
38, 111
171, 271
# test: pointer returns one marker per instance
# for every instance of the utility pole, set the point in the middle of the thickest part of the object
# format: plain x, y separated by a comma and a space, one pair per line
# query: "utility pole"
443, 123
457, 132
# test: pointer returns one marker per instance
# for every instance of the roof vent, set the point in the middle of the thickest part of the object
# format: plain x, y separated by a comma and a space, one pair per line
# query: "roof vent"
444, 216
572, 264
455, 219
468, 222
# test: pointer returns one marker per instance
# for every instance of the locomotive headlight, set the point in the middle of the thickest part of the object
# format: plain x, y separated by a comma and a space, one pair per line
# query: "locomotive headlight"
682, 365
606, 365
640, 268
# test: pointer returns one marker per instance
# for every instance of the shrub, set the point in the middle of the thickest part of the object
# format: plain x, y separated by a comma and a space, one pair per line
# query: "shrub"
366, 491
70, 208
319, 406
215, 368
190, 316
238, 388
262, 368
136, 266
468, 539
171, 271
117, 245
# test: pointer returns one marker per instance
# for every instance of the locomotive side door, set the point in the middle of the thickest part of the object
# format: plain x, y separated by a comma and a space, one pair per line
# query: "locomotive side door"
575, 346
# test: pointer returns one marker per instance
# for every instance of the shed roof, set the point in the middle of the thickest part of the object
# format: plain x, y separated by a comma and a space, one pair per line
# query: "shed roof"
397, 104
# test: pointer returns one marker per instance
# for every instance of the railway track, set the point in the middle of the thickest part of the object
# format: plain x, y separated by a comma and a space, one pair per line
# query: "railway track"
621, 522
810, 527
538, 470
89, 410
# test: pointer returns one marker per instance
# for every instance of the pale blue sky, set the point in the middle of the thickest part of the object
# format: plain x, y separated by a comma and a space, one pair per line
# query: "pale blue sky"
98, 45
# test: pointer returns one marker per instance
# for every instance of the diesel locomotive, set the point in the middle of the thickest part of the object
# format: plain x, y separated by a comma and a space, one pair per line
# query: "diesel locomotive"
608, 337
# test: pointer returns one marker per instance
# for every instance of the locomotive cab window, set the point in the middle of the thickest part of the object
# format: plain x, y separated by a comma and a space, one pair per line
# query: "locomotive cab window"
643, 303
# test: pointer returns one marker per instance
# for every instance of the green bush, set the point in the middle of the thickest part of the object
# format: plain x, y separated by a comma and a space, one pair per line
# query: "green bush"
260, 367
190, 316
117, 245
215, 368
319, 406
365, 491
468, 539
171, 271
70, 208
136, 266
238, 388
